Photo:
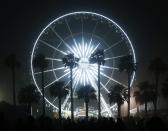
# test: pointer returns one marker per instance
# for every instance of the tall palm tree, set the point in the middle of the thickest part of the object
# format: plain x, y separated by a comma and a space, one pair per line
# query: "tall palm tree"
116, 96
158, 67
165, 89
98, 57
12, 63
58, 90
86, 92
127, 64
40, 62
28, 95
71, 61
137, 96
146, 93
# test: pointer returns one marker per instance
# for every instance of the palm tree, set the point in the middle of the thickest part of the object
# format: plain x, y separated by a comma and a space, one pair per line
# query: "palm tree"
127, 64
137, 96
158, 67
28, 95
12, 63
147, 93
70, 61
58, 90
116, 96
165, 89
86, 92
40, 62
98, 57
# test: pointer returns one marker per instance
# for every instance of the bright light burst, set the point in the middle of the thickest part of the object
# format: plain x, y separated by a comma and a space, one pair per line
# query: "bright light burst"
84, 72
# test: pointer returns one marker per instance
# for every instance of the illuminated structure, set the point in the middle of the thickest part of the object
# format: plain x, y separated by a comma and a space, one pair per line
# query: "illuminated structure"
81, 33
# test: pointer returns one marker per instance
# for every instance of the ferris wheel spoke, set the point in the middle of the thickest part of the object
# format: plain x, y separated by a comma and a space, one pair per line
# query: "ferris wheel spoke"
113, 45
72, 36
75, 74
78, 77
93, 31
104, 104
66, 100
94, 68
47, 58
112, 106
68, 96
54, 100
66, 85
70, 31
115, 57
93, 73
108, 67
76, 82
95, 48
112, 79
104, 87
90, 76
56, 80
66, 44
82, 29
107, 82
42, 41
90, 48
101, 84
60, 68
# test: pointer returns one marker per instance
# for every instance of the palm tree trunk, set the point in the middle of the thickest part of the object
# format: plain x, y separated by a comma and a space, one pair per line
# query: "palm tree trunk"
99, 104
13, 86
129, 84
119, 110
146, 108
59, 102
29, 109
137, 108
42, 83
87, 107
156, 89
72, 110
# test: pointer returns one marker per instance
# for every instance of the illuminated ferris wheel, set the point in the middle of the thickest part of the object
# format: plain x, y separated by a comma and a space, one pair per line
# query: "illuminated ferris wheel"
82, 33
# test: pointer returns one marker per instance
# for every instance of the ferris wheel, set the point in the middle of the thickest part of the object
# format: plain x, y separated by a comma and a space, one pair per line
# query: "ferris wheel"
82, 33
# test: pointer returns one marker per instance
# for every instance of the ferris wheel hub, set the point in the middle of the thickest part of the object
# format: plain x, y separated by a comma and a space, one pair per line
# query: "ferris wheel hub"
84, 63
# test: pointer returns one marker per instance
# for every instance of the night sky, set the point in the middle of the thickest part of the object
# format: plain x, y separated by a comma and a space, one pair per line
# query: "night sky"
21, 22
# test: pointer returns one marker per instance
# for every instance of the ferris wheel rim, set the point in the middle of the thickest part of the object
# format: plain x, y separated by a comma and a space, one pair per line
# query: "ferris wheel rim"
69, 14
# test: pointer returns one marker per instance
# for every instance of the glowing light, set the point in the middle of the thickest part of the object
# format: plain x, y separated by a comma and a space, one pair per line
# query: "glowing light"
83, 52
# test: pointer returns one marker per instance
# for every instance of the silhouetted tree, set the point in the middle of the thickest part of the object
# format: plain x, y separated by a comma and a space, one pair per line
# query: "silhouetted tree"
70, 61
59, 90
127, 64
116, 96
138, 97
40, 62
28, 95
147, 93
158, 67
98, 57
86, 92
165, 89
12, 63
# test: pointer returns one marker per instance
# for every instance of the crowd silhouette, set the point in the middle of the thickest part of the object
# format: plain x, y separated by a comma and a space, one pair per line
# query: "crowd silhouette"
42, 123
